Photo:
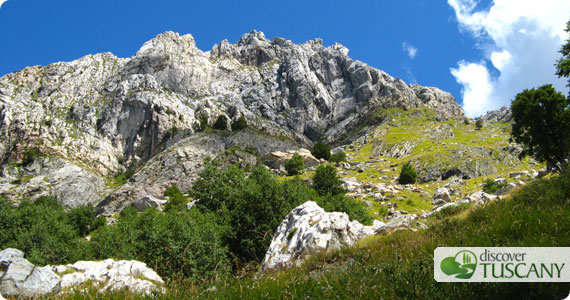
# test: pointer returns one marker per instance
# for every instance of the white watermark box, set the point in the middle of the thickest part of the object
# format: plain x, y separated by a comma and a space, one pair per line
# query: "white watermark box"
502, 264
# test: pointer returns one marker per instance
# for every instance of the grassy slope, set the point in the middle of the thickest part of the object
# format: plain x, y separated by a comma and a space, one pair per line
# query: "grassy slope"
415, 125
400, 266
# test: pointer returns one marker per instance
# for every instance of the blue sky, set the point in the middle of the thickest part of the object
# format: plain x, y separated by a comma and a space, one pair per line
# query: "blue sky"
452, 45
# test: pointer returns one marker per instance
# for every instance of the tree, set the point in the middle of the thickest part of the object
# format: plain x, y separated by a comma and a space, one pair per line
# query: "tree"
320, 150
479, 124
326, 181
338, 157
563, 64
408, 174
221, 123
239, 124
542, 125
295, 165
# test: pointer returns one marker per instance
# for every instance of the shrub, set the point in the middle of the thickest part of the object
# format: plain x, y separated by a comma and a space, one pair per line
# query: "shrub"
491, 187
30, 155
239, 124
174, 244
44, 231
326, 181
83, 219
176, 200
221, 123
408, 174
252, 207
320, 150
479, 124
338, 157
295, 165
203, 122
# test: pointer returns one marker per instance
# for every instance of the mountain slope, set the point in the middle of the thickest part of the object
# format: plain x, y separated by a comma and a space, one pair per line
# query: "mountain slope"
109, 115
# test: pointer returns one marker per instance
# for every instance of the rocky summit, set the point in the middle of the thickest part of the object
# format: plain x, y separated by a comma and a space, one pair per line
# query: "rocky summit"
85, 127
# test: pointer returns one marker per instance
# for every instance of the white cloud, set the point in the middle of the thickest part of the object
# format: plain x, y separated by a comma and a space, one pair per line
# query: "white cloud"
477, 87
520, 39
410, 50
2, 2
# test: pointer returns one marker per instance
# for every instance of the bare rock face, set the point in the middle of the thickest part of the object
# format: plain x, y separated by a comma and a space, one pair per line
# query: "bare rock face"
308, 229
106, 114
504, 114
72, 185
277, 159
19, 277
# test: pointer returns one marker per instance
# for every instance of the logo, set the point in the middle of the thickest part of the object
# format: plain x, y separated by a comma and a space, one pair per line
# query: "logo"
462, 265
501, 264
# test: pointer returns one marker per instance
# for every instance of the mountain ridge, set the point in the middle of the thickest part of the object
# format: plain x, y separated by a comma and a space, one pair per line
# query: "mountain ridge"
108, 115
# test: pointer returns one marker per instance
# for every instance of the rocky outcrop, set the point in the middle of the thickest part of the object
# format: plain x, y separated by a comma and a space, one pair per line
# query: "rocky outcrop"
441, 196
19, 277
180, 164
70, 184
109, 275
308, 229
504, 114
277, 159
106, 114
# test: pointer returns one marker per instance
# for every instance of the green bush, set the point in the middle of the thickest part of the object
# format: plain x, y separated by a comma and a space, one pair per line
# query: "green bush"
221, 123
326, 181
203, 122
253, 206
83, 219
30, 155
45, 232
408, 174
239, 124
176, 200
175, 244
342, 203
338, 157
479, 124
491, 187
320, 150
295, 165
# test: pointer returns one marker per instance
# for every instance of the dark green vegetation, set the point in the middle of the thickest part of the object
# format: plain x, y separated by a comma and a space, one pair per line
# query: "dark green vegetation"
45, 231
491, 187
400, 266
228, 231
239, 124
30, 155
338, 157
221, 123
479, 124
408, 174
542, 124
176, 243
295, 165
321, 150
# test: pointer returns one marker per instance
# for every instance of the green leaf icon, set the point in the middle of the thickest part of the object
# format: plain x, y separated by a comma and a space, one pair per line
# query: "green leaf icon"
462, 265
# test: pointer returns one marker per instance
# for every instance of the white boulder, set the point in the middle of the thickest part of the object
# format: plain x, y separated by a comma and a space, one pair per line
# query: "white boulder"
441, 196
112, 275
308, 229
22, 278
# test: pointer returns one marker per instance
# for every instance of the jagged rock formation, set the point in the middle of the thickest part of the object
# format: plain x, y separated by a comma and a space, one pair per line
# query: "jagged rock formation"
19, 277
106, 114
277, 159
308, 229
109, 275
504, 114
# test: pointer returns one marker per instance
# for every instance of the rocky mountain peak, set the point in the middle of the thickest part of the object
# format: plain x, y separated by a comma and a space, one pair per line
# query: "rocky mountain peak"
108, 114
